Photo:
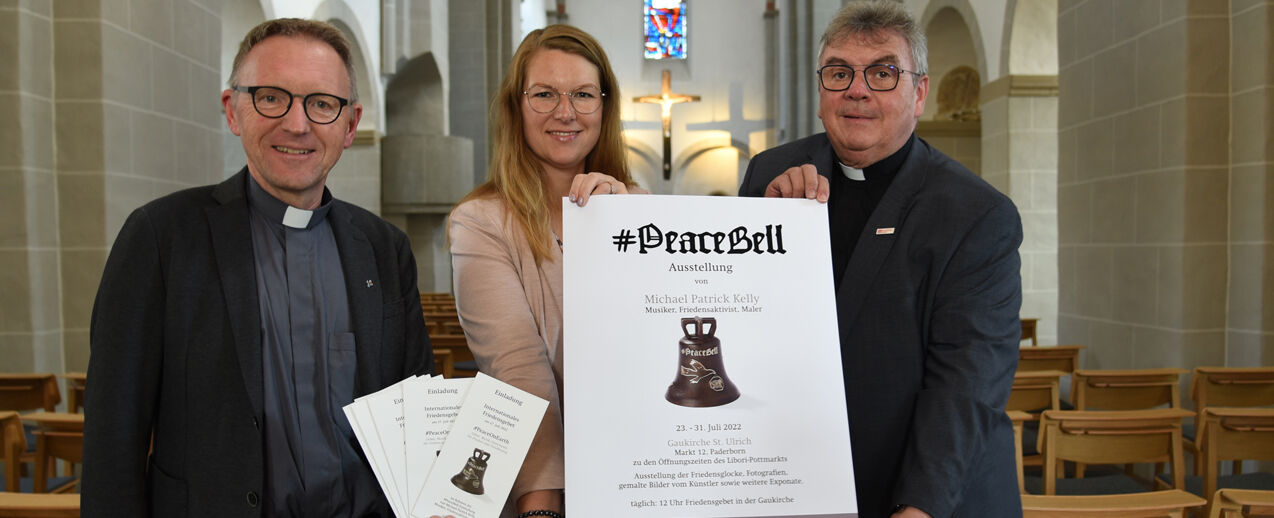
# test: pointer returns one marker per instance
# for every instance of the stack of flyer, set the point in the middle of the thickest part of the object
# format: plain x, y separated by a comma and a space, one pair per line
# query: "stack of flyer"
475, 431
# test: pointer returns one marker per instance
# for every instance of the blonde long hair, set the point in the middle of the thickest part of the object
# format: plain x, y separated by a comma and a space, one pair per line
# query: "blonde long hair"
515, 175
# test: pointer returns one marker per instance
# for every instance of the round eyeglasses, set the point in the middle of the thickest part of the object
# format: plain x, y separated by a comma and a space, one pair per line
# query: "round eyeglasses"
880, 77
274, 102
543, 99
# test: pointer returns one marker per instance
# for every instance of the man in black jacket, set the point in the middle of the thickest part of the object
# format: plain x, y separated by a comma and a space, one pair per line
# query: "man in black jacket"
234, 321
927, 273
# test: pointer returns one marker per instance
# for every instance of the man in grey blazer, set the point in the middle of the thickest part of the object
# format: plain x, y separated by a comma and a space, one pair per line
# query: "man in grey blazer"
234, 321
925, 258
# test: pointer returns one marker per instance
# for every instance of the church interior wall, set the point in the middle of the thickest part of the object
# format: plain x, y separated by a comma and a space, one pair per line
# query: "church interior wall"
1145, 199
468, 102
1145, 193
356, 178
727, 72
1250, 305
950, 45
30, 322
117, 108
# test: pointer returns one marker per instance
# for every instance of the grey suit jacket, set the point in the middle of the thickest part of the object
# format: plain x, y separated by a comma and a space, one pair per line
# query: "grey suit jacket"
176, 351
928, 317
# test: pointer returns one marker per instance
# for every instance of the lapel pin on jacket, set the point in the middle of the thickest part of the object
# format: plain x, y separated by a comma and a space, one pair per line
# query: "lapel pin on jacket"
369, 283
884, 231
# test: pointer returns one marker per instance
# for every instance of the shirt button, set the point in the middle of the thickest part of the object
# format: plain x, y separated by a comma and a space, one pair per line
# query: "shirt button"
256, 424
253, 499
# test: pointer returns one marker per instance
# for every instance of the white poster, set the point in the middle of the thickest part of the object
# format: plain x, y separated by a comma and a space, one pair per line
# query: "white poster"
702, 361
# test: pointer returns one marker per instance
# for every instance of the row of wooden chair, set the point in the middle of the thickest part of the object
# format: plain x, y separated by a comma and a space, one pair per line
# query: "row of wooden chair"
1172, 503
1148, 436
1121, 434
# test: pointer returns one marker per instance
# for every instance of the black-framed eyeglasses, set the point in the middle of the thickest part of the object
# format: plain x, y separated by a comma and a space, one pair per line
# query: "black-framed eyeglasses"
880, 77
274, 102
543, 99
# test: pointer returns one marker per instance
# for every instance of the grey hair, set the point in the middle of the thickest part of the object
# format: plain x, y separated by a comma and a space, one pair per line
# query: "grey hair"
875, 17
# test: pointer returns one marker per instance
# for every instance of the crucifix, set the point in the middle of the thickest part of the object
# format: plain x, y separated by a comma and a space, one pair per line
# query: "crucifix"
665, 100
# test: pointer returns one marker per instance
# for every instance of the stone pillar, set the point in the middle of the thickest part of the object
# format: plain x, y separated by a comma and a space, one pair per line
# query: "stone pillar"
1143, 152
1019, 151
30, 316
424, 176
137, 116
1250, 313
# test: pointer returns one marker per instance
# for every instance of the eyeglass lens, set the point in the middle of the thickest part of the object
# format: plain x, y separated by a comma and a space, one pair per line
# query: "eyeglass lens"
839, 77
275, 102
544, 99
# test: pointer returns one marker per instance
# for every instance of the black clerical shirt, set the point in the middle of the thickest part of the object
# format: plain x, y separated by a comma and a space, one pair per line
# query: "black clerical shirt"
851, 202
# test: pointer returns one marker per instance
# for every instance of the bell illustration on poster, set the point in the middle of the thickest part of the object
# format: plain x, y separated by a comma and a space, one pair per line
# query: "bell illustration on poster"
701, 380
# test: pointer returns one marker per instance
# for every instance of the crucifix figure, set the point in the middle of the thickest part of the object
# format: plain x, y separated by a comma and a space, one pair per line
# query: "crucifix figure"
665, 100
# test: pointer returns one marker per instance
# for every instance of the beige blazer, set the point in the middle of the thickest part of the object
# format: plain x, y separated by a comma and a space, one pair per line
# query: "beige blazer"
511, 311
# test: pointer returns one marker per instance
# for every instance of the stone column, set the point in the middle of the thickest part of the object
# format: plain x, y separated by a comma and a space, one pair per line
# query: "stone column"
1019, 151
137, 116
1250, 313
30, 316
1143, 120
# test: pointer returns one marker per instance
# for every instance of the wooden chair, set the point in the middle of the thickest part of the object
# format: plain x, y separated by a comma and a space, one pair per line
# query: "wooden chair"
1063, 358
1116, 437
14, 440
1245, 503
1035, 391
75, 382
458, 349
1136, 389
39, 505
1028, 330
1019, 419
1172, 503
22, 392
1226, 387
444, 363
1032, 393
1235, 434
57, 436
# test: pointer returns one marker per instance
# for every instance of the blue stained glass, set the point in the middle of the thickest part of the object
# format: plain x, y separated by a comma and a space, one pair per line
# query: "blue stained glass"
665, 29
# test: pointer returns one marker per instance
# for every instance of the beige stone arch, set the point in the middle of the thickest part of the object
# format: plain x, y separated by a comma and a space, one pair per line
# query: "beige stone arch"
970, 19
710, 165
1030, 38
356, 178
345, 18
954, 41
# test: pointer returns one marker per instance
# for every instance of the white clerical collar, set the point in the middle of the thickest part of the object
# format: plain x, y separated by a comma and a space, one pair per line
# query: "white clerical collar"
300, 218
851, 173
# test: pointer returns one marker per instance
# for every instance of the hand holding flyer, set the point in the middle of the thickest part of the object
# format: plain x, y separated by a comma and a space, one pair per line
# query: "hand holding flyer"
475, 431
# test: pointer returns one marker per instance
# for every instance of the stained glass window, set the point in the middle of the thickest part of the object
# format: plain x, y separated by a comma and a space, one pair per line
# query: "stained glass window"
665, 29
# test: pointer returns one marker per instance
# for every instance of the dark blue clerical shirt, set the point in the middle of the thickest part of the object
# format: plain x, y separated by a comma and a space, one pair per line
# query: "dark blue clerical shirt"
312, 468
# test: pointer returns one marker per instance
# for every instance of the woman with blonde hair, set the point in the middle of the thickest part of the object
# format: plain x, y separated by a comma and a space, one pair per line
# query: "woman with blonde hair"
558, 134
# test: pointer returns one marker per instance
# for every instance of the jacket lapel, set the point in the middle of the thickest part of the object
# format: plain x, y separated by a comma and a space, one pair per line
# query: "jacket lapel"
872, 249
363, 287
232, 246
